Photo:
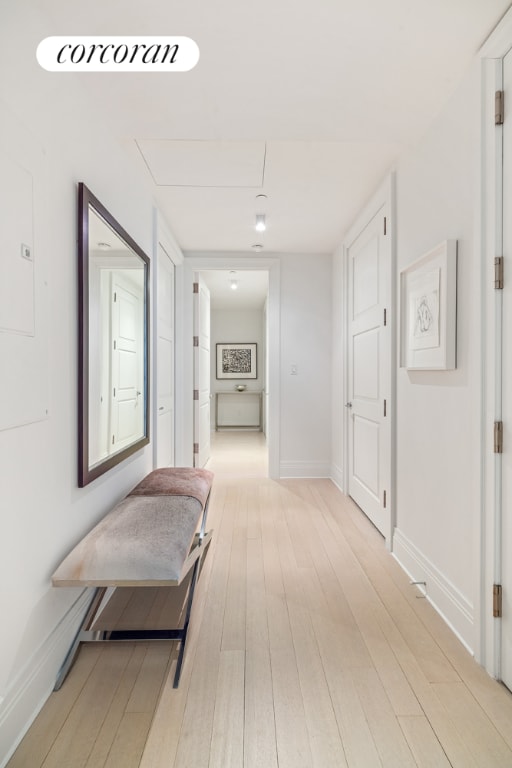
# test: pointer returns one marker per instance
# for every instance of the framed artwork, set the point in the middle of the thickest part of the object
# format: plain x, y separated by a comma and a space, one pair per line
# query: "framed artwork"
428, 308
236, 361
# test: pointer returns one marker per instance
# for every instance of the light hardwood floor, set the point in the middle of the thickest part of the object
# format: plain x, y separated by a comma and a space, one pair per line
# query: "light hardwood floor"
308, 649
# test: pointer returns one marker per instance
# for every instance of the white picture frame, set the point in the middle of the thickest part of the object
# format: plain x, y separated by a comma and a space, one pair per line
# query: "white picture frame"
428, 309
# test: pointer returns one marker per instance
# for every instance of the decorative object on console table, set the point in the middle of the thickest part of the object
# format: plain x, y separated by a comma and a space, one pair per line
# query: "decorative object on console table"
428, 307
236, 361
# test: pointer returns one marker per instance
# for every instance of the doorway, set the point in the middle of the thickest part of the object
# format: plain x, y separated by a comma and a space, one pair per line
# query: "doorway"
257, 408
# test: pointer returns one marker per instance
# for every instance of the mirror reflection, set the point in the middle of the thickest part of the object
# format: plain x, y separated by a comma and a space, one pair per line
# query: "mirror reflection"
114, 413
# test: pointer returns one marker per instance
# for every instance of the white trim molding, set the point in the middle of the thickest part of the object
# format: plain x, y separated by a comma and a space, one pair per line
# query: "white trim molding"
304, 469
452, 605
28, 692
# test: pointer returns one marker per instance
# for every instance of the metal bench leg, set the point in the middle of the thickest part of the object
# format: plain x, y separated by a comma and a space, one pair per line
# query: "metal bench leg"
95, 603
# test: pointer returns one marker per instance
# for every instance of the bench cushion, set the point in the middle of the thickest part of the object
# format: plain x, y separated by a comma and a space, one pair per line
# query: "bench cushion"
178, 481
145, 540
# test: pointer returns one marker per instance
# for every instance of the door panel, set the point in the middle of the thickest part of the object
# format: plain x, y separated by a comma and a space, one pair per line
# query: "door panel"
366, 365
366, 457
369, 363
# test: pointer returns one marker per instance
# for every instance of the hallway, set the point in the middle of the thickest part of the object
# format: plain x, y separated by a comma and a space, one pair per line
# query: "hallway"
308, 648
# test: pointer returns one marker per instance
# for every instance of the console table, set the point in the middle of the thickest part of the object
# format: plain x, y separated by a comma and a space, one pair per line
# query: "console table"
242, 397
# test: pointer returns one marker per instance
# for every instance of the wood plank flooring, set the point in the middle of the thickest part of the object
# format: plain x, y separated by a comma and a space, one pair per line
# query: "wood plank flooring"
308, 649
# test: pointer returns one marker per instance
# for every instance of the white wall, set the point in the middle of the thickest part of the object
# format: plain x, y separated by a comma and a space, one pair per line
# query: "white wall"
50, 128
438, 413
438, 452
338, 369
305, 398
230, 326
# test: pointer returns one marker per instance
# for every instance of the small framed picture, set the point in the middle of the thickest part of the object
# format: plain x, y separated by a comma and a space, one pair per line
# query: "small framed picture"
428, 307
236, 361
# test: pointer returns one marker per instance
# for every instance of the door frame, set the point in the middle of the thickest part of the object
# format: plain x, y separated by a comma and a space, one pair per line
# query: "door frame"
240, 262
489, 239
384, 197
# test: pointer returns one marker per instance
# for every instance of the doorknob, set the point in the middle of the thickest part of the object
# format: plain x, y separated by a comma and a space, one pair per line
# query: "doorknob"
348, 405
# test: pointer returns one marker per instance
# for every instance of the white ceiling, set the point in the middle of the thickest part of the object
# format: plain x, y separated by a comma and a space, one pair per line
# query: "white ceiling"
309, 103
251, 288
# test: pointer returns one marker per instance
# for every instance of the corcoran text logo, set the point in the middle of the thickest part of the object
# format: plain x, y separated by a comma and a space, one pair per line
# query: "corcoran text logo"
117, 54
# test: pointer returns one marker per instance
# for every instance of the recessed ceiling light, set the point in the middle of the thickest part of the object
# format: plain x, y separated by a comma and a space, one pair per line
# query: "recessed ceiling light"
260, 222
257, 247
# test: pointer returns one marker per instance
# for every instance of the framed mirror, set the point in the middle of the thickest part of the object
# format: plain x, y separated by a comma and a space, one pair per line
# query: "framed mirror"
113, 375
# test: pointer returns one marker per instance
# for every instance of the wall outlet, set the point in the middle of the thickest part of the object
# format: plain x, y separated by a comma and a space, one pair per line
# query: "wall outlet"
26, 252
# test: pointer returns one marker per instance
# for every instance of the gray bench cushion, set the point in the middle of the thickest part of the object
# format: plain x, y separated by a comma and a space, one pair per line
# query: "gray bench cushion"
146, 539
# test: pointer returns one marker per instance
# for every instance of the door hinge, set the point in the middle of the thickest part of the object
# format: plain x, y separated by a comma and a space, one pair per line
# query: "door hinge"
114, 392
385, 317
115, 297
498, 272
385, 225
498, 437
196, 341
196, 288
497, 601
499, 108
385, 499
385, 407
196, 447
196, 394
113, 439
115, 344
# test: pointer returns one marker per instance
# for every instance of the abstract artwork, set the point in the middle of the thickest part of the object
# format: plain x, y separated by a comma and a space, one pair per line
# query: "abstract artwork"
429, 310
236, 361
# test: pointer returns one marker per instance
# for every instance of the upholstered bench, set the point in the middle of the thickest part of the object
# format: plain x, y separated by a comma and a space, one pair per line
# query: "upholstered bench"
155, 537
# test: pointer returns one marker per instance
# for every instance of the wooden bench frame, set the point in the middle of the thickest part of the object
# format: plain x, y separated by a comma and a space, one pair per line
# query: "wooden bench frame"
87, 634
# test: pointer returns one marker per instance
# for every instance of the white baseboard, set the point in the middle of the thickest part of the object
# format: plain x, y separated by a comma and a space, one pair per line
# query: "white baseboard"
304, 469
29, 690
451, 604
336, 476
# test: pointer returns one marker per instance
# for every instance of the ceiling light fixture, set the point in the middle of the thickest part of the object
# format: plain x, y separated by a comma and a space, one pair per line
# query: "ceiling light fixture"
257, 247
260, 222
233, 280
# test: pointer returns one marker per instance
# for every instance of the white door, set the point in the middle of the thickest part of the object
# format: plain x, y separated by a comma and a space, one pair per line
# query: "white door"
127, 403
165, 356
201, 373
506, 533
369, 371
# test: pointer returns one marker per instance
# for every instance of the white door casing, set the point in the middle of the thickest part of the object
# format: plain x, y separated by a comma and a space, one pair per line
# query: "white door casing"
369, 390
504, 556
201, 372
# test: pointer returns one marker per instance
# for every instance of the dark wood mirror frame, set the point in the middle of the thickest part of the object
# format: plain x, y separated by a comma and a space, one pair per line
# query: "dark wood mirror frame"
87, 472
